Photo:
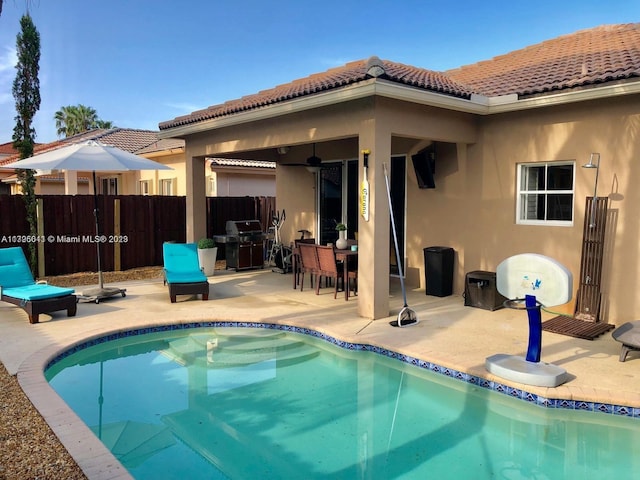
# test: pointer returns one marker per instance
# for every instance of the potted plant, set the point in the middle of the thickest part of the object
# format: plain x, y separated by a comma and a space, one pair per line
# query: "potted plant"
341, 243
207, 253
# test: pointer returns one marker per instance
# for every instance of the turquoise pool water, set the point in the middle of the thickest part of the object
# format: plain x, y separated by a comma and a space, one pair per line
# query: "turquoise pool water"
245, 403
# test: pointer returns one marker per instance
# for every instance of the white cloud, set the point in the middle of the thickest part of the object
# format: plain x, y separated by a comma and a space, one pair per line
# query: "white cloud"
184, 107
8, 61
334, 62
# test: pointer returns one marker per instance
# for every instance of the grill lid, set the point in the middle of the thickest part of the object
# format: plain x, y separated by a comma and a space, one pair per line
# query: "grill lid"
243, 227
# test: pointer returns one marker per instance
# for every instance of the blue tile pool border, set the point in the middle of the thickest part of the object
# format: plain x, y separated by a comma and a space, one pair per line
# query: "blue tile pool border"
557, 403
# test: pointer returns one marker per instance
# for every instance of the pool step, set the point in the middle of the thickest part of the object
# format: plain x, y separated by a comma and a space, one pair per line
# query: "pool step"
218, 351
224, 359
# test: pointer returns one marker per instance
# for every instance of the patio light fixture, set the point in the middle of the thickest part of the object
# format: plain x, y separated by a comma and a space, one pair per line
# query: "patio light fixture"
596, 165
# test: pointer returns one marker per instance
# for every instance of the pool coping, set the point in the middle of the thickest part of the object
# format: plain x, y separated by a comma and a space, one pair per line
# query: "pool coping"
97, 462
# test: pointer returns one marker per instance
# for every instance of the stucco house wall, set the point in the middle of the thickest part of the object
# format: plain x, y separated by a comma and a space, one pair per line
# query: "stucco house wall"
473, 207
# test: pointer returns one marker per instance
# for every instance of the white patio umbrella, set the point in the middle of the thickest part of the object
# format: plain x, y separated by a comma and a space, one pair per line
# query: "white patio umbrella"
95, 157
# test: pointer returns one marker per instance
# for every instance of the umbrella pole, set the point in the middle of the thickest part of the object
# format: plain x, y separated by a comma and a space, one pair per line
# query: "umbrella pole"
95, 215
96, 294
100, 400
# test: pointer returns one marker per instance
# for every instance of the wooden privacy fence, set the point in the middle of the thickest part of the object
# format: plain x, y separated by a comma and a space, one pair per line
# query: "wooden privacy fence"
132, 227
222, 209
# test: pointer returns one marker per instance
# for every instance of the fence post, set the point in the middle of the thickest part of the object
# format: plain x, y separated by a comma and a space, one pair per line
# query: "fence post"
117, 263
40, 233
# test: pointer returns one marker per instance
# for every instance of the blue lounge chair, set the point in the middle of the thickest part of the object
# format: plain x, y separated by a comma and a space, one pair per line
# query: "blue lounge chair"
182, 271
19, 288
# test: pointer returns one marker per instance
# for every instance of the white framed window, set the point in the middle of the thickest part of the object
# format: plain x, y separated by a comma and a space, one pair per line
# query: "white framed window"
144, 187
545, 193
167, 186
109, 185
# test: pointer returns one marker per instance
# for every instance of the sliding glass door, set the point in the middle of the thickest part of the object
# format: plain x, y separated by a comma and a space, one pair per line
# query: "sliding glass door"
338, 201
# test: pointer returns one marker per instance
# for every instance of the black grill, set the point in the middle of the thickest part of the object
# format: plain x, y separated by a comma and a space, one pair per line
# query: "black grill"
244, 244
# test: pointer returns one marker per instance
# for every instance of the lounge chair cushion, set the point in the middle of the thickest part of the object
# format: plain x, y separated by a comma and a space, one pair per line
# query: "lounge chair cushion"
19, 288
181, 263
36, 291
14, 269
184, 277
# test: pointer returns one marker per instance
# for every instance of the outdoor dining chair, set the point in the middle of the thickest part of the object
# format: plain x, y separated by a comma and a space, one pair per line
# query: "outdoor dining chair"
331, 268
297, 272
308, 263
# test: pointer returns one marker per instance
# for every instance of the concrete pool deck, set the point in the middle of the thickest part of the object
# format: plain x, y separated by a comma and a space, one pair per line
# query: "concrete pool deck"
449, 334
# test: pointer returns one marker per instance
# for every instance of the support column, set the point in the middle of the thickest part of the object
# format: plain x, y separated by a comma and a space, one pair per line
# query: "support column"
373, 264
196, 198
71, 182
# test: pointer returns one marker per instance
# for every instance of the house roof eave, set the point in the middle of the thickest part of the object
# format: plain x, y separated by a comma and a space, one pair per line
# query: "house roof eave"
364, 89
477, 104
564, 97
308, 102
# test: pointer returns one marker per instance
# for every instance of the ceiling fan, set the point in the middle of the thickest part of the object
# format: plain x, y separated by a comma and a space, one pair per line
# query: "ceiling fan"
313, 161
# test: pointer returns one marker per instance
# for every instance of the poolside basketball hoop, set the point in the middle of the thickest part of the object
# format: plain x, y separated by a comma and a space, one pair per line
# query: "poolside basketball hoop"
531, 281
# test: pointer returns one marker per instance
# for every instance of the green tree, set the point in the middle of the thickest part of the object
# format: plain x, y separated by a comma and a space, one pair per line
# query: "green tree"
74, 119
104, 124
26, 92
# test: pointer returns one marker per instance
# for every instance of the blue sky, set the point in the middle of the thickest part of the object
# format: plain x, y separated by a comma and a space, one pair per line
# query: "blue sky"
141, 62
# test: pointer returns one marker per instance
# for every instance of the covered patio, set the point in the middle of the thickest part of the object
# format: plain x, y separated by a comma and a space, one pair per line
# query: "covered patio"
314, 137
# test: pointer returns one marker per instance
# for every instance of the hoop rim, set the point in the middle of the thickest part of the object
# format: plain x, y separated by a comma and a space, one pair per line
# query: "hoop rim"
518, 304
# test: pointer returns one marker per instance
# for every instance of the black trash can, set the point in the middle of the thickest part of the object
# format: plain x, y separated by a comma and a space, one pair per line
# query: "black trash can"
438, 271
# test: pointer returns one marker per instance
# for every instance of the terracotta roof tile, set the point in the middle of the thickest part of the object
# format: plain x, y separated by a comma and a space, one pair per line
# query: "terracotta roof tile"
57, 178
128, 139
588, 57
161, 145
230, 162
7, 149
320, 82
602, 54
38, 148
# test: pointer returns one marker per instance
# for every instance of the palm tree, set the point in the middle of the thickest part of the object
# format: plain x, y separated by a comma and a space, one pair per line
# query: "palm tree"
74, 119
106, 124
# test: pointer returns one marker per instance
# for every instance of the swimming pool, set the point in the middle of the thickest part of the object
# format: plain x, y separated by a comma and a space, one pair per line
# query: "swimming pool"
226, 402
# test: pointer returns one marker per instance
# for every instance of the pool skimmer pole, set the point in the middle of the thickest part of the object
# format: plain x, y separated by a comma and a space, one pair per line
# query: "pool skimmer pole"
406, 317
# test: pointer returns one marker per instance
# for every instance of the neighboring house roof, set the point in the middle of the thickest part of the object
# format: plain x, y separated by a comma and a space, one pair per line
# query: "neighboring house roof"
162, 145
39, 148
49, 178
7, 148
588, 57
129, 139
227, 162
